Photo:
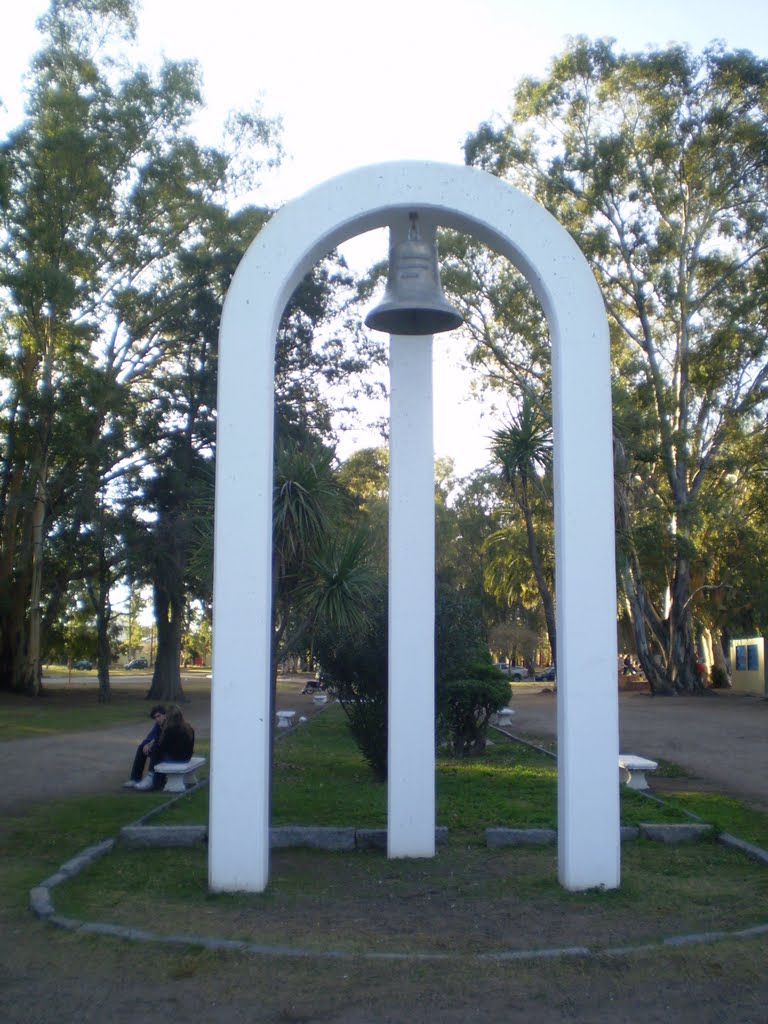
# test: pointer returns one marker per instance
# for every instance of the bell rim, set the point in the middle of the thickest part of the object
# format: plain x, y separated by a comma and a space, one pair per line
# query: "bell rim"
397, 319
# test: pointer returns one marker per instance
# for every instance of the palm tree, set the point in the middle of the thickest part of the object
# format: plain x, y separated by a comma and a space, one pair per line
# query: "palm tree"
319, 557
523, 450
320, 570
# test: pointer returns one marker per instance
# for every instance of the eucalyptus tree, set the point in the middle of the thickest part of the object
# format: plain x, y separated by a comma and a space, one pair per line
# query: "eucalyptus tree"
656, 164
509, 350
506, 330
101, 187
176, 426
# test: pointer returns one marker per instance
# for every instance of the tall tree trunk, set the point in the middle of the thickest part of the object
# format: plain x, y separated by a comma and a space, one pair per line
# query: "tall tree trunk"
651, 662
103, 616
31, 669
649, 629
14, 640
21, 552
538, 571
102, 652
719, 657
23, 540
14, 558
682, 647
169, 619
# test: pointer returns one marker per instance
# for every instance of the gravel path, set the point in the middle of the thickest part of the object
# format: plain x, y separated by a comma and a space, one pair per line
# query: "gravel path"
93, 761
720, 737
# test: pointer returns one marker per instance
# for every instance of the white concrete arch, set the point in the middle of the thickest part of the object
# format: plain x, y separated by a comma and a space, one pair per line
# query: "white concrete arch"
298, 236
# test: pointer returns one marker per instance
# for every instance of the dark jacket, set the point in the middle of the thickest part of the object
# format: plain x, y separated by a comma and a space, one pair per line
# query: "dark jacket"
175, 744
152, 735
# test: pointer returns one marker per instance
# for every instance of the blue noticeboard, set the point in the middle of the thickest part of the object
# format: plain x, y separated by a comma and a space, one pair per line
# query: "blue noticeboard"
747, 658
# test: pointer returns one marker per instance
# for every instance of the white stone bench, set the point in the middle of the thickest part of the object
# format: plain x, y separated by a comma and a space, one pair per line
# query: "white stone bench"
504, 717
179, 774
285, 719
633, 769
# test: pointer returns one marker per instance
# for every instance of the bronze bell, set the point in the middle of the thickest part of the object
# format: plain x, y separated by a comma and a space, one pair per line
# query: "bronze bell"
413, 302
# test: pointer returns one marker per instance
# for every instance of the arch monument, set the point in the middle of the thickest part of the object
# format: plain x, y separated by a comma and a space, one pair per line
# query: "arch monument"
300, 234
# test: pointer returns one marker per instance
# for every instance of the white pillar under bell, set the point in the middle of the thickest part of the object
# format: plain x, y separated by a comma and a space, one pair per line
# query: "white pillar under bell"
411, 760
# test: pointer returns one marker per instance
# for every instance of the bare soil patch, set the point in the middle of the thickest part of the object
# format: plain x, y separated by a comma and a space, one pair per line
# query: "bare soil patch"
720, 737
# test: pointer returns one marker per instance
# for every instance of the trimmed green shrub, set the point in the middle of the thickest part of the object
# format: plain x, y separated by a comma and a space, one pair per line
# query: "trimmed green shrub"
465, 707
358, 665
460, 635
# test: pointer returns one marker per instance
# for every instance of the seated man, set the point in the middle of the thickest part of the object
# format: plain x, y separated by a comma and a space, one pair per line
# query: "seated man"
175, 743
144, 749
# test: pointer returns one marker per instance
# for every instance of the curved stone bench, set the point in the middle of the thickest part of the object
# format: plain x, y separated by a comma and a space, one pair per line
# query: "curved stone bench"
504, 717
633, 770
179, 774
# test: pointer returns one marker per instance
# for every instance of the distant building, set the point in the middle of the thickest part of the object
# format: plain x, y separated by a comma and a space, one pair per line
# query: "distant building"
748, 665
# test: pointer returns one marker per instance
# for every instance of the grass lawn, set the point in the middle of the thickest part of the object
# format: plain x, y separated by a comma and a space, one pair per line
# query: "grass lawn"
466, 901
468, 898
319, 778
69, 708
75, 706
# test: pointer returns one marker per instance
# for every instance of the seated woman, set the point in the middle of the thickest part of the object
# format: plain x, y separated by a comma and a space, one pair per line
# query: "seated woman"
175, 743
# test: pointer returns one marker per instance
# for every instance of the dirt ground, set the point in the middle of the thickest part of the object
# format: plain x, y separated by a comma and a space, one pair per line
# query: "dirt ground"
49, 976
719, 737
98, 761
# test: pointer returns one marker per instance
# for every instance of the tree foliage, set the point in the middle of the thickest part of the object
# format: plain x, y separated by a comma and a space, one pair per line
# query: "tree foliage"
466, 708
523, 451
103, 190
358, 663
469, 689
656, 164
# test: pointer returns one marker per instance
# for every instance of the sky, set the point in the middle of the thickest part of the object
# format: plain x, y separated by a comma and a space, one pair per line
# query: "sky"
356, 83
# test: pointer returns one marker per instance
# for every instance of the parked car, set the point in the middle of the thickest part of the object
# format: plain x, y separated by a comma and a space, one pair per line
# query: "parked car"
517, 673
83, 664
547, 675
138, 663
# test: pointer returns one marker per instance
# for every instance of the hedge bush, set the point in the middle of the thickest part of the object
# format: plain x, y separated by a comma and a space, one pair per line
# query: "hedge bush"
465, 708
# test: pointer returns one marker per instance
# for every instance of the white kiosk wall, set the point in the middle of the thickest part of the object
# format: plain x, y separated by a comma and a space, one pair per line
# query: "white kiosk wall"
298, 236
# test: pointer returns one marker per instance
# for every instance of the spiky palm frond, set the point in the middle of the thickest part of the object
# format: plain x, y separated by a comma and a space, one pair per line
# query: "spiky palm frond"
340, 583
305, 496
523, 446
